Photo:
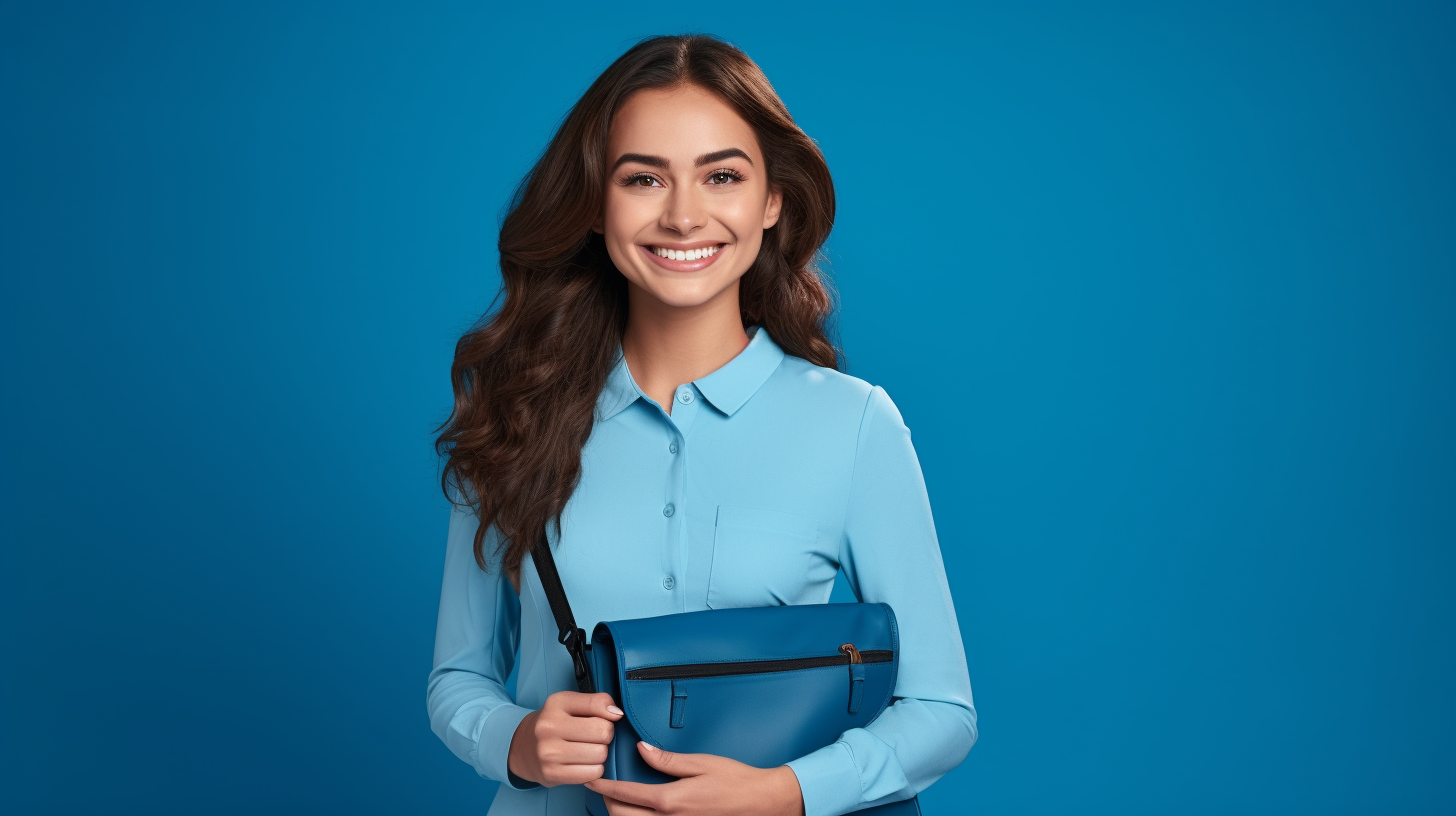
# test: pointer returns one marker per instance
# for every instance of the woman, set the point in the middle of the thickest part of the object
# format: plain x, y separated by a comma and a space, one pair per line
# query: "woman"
658, 392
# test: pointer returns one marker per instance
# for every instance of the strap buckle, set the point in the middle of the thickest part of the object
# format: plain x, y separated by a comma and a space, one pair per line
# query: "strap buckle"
574, 639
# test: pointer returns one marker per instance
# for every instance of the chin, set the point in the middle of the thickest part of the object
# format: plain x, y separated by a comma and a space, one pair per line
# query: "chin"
683, 294
684, 300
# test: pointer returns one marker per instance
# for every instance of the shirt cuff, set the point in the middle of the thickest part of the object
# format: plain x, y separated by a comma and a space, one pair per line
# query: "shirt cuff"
829, 780
493, 749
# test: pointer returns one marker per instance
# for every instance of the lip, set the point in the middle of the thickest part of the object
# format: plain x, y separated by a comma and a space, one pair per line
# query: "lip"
684, 266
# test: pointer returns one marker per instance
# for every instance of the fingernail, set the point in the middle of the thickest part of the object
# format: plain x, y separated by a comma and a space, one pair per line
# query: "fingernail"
613, 710
649, 746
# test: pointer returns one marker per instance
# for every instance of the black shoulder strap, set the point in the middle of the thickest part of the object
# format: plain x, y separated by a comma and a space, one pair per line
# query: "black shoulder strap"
569, 635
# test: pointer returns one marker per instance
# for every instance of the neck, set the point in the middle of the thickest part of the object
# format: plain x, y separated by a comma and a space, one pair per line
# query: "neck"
667, 346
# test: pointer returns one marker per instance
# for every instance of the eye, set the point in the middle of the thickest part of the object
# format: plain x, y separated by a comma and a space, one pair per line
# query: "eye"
639, 180
724, 176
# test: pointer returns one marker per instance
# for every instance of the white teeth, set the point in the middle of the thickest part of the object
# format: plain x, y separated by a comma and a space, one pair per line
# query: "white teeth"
685, 254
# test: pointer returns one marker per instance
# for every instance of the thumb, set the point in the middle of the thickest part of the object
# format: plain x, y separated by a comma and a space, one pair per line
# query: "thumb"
602, 705
672, 763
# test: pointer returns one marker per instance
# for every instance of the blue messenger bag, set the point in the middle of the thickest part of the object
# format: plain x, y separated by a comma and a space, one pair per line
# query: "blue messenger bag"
762, 685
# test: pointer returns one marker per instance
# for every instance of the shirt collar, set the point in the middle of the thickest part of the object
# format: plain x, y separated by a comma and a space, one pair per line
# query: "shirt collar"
727, 388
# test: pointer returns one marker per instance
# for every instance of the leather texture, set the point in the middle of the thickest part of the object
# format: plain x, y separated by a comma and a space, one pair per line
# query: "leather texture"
762, 719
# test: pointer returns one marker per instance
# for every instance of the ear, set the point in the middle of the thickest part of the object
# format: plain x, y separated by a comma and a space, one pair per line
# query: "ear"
771, 210
599, 225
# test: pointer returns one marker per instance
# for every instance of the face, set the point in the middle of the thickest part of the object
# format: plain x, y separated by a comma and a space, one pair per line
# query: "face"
687, 198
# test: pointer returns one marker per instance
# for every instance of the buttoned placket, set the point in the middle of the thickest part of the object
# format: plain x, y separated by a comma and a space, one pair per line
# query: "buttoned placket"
686, 402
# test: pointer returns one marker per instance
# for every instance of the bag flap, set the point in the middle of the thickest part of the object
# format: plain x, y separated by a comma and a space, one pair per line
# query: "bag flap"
763, 719
753, 633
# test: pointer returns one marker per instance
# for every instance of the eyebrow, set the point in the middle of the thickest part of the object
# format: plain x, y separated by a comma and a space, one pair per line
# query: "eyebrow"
658, 161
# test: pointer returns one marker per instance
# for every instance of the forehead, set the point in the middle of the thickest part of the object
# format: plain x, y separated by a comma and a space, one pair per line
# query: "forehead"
679, 124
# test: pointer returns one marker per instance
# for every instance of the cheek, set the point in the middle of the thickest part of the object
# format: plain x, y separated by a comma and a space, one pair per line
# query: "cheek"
744, 216
625, 215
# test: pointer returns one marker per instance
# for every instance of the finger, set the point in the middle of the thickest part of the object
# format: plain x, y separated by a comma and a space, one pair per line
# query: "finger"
573, 774
670, 762
561, 752
633, 793
587, 729
577, 704
616, 807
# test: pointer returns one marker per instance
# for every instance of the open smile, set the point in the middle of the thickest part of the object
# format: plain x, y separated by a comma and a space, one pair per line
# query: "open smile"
683, 258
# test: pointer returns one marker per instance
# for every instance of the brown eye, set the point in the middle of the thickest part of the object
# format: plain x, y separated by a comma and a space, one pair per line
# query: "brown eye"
719, 178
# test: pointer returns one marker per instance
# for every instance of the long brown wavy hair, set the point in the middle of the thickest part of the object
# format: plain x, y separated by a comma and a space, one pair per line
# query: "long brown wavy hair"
527, 376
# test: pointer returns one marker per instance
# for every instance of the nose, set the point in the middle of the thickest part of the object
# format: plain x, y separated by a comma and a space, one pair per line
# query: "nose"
684, 211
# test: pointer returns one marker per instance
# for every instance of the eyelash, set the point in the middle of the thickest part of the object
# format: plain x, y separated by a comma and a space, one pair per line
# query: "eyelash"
727, 171
722, 171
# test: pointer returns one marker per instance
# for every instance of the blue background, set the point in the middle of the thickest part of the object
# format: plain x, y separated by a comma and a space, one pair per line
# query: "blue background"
1166, 292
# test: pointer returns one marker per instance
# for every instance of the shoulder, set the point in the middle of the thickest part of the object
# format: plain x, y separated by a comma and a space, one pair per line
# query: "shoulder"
820, 387
827, 392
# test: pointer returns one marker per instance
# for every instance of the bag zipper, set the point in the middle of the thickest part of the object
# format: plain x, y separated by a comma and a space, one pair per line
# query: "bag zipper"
848, 654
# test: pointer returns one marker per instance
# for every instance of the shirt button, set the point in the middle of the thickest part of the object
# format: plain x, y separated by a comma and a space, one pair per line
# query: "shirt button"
672, 447
668, 583
685, 396
668, 511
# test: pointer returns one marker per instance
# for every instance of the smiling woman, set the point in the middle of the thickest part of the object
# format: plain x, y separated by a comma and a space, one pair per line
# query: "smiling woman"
657, 396
682, 227
681, 196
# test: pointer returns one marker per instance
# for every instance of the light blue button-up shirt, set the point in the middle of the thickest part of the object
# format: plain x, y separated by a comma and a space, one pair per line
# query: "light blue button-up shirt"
770, 475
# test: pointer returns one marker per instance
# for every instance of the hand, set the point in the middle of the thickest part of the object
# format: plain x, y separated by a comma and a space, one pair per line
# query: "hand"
565, 743
711, 785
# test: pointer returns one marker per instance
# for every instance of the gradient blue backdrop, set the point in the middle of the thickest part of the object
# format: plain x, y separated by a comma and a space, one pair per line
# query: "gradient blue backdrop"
1167, 294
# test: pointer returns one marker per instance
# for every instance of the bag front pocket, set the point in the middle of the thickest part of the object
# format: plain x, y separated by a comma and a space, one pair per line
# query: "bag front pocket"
767, 558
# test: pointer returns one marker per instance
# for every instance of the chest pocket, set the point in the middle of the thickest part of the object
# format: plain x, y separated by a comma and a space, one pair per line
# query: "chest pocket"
768, 558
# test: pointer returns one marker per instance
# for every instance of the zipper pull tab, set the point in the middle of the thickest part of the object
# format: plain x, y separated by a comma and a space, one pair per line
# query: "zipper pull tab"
677, 717
856, 675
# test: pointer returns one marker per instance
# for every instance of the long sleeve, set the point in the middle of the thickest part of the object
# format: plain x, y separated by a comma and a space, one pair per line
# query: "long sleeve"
475, 646
890, 554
